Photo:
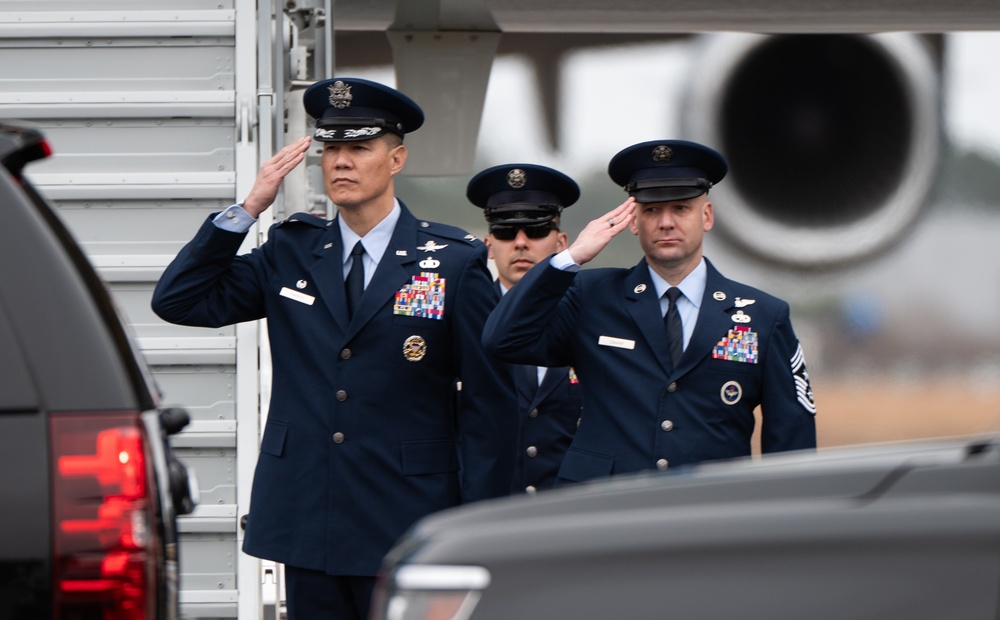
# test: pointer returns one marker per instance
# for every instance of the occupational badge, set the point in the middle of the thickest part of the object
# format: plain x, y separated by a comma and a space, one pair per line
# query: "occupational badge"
740, 345
731, 392
414, 348
743, 303
741, 317
430, 263
431, 246
422, 297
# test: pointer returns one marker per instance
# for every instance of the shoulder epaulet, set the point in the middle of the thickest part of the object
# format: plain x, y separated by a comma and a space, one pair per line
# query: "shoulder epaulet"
453, 233
304, 218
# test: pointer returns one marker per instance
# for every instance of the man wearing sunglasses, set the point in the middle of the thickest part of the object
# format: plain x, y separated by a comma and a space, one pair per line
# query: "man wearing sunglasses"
673, 357
522, 204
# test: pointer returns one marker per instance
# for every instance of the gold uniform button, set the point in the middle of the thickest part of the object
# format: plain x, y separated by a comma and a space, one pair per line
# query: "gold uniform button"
661, 464
533, 413
338, 438
532, 451
667, 425
341, 395
672, 387
345, 354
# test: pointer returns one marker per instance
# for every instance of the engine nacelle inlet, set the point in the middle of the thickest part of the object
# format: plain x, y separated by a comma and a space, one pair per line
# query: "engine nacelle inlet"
833, 141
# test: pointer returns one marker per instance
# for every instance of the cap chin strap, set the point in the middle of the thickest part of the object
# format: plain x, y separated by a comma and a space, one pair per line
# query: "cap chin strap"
703, 184
549, 210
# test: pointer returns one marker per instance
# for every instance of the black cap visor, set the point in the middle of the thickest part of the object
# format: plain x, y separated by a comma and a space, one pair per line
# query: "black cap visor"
521, 213
667, 190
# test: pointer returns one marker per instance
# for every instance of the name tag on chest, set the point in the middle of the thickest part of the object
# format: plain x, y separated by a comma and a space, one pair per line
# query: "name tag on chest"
618, 343
302, 298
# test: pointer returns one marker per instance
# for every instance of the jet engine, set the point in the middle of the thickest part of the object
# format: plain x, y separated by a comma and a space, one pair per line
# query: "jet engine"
833, 140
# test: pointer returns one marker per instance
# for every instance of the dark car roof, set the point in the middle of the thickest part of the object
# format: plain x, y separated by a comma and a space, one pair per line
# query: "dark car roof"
56, 318
859, 474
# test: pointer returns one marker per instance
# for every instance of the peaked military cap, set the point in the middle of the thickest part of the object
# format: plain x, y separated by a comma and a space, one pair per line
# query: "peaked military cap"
353, 109
521, 193
666, 170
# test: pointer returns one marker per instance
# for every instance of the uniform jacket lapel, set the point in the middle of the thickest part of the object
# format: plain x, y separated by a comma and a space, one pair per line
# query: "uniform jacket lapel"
328, 274
553, 378
641, 302
393, 271
714, 320
526, 378
391, 275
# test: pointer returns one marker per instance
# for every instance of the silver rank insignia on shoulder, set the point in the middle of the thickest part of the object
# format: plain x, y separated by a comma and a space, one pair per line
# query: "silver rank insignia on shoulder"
430, 263
470, 237
301, 284
740, 317
743, 303
719, 296
431, 246
639, 288
414, 348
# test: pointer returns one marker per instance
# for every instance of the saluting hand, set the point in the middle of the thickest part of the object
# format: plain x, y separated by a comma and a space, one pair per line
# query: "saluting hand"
599, 233
272, 173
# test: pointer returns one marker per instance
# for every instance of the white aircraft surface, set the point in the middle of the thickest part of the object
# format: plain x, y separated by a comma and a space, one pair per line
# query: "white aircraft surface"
863, 146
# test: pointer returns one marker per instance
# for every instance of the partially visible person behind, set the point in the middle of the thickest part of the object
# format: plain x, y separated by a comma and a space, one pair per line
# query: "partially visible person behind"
672, 356
522, 204
372, 318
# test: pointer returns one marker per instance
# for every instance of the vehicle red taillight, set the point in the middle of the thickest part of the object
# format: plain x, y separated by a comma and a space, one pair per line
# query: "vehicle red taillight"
104, 545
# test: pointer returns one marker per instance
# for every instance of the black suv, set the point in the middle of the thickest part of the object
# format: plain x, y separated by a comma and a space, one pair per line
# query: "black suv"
908, 530
89, 492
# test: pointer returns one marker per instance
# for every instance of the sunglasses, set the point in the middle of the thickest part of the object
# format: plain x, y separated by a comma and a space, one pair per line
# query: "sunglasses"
505, 232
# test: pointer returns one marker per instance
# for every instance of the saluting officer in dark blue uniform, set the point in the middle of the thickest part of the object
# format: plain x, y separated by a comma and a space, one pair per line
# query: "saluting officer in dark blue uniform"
373, 318
672, 356
522, 204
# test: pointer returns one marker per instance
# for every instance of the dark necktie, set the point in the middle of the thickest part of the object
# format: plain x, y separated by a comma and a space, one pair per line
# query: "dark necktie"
354, 285
675, 330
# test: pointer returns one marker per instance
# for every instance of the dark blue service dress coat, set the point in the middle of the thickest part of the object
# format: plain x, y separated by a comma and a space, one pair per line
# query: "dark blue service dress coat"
641, 413
548, 414
363, 435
